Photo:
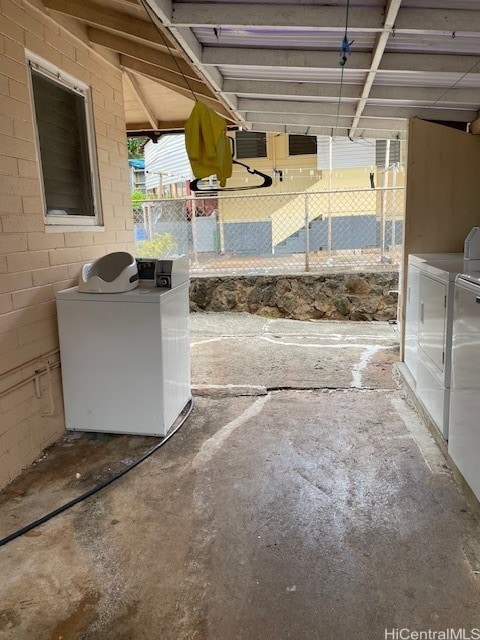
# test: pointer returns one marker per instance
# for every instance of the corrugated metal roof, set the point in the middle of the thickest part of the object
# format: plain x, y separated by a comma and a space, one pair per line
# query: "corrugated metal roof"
426, 79
461, 44
258, 46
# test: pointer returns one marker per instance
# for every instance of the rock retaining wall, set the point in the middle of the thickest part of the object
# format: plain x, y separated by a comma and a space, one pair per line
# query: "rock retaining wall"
345, 296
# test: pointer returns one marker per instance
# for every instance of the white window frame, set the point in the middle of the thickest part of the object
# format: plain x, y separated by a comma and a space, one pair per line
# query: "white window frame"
58, 223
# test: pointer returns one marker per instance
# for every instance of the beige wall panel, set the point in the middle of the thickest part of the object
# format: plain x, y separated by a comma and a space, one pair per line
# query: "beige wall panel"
443, 188
443, 191
34, 264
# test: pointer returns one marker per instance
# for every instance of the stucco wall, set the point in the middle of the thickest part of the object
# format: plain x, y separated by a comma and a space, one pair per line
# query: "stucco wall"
35, 264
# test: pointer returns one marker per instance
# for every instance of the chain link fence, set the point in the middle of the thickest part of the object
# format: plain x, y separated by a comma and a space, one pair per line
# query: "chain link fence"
276, 233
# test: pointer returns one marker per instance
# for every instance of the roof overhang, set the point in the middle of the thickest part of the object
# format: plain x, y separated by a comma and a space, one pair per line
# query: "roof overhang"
160, 81
276, 64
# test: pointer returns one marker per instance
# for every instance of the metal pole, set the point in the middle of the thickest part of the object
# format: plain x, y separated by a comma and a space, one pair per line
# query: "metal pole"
307, 235
329, 211
383, 198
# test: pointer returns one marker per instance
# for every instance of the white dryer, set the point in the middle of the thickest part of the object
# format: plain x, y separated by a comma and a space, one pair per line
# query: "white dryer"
412, 310
464, 438
435, 338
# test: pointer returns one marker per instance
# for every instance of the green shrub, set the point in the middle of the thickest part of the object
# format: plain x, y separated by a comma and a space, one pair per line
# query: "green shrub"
156, 247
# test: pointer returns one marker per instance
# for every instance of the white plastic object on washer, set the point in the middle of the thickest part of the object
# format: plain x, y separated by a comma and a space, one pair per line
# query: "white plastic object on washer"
114, 273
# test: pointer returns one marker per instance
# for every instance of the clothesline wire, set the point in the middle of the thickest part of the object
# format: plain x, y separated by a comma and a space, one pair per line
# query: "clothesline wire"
455, 83
343, 62
153, 19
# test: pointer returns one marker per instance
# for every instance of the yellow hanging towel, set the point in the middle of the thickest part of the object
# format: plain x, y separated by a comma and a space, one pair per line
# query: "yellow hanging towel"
207, 145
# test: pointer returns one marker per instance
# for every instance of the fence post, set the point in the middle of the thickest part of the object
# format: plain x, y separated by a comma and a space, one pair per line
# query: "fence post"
147, 219
384, 199
394, 206
194, 238
329, 212
307, 235
221, 231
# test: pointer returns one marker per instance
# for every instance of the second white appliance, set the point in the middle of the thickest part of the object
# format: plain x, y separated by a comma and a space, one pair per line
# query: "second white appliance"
464, 439
435, 338
412, 311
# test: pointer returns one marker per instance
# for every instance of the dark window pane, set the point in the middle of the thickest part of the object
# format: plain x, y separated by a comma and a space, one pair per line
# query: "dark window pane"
302, 145
62, 133
381, 150
250, 144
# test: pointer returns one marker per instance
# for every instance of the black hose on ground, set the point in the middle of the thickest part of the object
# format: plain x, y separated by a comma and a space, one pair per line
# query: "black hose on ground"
98, 487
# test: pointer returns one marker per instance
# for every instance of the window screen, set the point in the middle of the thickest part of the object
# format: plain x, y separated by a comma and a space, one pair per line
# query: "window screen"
302, 145
381, 150
62, 132
250, 144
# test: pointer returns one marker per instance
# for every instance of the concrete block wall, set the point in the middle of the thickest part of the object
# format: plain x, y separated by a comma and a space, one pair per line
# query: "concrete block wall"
34, 264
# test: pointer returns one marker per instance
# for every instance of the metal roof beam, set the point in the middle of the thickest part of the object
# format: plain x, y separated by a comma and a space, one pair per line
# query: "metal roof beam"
393, 7
327, 120
430, 113
441, 21
292, 89
331, 108
249, 57
330, 90
380, 134
322, 18
294, 107
298, 58
193, 14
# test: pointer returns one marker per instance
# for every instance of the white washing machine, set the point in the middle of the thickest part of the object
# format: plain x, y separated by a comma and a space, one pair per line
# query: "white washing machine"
125, 359
464, 438
412, 310
436, 286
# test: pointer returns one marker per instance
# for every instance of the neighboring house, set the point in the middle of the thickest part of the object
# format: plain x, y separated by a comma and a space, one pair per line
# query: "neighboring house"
298, 164
137, 175
167, 167
301, 164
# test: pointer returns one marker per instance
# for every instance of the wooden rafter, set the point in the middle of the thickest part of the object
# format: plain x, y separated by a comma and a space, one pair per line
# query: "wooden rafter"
163, 125
162, 77
140, 51
140, 96
116, 21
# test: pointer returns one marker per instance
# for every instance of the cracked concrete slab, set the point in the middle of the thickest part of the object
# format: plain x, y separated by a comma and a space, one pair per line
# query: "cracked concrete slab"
247, 349
288, 515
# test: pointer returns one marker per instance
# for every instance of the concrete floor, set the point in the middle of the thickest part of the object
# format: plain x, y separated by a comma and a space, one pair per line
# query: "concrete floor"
304, 499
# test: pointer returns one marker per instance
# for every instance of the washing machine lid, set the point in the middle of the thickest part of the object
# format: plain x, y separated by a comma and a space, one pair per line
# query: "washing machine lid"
473, 277
443, 270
